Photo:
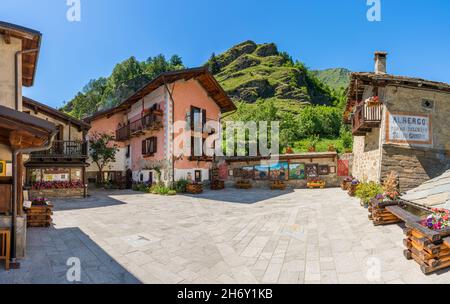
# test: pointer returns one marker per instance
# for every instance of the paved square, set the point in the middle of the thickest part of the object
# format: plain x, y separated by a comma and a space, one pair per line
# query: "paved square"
230, 236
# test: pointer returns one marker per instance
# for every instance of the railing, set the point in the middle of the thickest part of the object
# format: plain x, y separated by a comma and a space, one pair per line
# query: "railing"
367, 117
64, 149
137, 127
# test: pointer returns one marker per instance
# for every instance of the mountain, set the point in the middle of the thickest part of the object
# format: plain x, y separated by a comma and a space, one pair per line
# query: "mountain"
251, 72
334, 78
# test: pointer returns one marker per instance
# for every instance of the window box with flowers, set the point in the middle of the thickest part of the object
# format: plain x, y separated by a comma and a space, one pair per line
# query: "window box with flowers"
57, 189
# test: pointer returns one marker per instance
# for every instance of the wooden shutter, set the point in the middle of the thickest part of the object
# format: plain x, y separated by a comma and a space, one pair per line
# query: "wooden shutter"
203, 120
192, 118
155, 144
144, 147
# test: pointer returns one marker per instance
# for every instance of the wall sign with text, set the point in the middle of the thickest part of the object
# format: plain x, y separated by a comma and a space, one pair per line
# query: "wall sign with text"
406, 128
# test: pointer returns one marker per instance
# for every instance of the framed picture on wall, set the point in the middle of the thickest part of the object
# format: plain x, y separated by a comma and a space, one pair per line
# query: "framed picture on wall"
312, 170
297, 172
324, 170
279, 171
261, 172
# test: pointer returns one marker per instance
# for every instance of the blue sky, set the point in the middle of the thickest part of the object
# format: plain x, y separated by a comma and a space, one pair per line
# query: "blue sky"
321, 33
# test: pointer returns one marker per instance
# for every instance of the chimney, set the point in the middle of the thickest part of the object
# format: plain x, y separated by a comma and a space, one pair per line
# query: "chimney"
380, 62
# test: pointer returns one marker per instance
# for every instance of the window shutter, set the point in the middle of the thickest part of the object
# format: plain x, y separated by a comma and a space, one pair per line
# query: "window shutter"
203, 120
144, 147
155, 144
192, 118
192, 146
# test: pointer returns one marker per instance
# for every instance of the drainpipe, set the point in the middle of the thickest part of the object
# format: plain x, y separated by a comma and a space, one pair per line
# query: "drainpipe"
16, 73
173, 121
14, 263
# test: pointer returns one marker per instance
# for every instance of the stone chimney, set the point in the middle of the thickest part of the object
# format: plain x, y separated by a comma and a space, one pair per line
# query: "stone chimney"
380, 62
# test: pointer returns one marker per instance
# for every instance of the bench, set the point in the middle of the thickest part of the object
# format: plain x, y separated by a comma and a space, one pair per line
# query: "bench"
5, 246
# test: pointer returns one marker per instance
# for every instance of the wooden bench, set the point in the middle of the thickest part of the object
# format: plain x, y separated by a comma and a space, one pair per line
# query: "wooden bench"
5, 249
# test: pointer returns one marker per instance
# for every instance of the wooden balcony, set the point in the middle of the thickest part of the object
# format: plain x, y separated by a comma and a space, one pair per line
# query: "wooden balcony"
366, 118
149, 122
63, 150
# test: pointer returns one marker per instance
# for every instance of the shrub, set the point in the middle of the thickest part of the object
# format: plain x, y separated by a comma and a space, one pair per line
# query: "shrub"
172, 192
180, 186
367, 191
141, 187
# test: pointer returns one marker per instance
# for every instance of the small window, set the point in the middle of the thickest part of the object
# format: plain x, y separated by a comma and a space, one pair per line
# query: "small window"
149, 146
198, 176
428, 104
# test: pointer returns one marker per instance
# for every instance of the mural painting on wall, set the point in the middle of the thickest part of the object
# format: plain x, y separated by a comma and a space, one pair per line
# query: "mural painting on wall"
297, 171
405, 128
312, 170
262, 172
324, 170
279, 171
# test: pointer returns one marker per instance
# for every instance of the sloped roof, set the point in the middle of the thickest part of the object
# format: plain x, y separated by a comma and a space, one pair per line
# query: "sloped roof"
201, 74
31, 39
434, 193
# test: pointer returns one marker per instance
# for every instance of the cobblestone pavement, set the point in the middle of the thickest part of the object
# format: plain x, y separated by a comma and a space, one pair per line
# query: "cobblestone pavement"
230, 236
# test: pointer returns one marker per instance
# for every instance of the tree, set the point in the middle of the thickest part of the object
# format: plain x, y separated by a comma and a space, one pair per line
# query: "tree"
214, 66
102, 150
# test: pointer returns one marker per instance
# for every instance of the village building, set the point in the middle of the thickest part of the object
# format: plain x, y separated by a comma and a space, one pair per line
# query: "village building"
399, 124
143, 127
65, 161
20, 133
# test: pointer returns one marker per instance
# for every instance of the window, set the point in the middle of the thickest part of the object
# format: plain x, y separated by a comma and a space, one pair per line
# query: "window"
149, 146
428, 104
198, 119
196, 146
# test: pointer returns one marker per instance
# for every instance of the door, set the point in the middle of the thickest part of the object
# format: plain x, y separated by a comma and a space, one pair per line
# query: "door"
129, 179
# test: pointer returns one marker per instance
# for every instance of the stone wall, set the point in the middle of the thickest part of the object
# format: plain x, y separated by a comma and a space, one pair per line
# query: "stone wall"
56, 193
414, 166
367, 156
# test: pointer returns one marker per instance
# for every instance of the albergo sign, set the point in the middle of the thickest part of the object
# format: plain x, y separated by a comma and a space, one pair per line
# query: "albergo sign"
407, 128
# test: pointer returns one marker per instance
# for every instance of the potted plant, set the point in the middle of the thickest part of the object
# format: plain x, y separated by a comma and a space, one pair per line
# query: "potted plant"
346, 183
40, 213
316, 182
437, 220
367, 191
194, 188
352, 187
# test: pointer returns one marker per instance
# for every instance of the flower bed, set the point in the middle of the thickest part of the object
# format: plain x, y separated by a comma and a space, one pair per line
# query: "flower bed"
56, 185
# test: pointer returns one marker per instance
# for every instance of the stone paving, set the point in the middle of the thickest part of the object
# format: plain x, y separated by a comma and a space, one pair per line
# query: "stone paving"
230, 236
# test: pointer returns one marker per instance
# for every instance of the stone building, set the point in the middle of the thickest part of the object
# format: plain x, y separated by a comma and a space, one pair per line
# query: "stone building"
399, 124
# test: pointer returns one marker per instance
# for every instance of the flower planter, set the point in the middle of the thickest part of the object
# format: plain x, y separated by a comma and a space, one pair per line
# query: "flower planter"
316, 185
352, 189
429, 248
345, 185
381, 216
40, 215
217, 185
278, 185
194, 188
243, 184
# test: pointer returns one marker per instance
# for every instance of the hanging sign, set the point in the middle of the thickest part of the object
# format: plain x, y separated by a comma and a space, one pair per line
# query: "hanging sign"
405, 128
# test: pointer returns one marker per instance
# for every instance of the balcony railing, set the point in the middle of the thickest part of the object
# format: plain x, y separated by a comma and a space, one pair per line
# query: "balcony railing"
149, 122
366, 117
63, 149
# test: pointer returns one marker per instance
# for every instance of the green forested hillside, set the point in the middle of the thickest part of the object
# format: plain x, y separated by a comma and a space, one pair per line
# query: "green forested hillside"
265, 83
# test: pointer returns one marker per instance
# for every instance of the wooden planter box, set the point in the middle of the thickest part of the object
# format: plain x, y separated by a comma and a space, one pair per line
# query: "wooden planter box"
194, 188
345, 185
429, 248
380, 215
243, 185
40, 215
316, 185
278, 185
352, 190
217, 185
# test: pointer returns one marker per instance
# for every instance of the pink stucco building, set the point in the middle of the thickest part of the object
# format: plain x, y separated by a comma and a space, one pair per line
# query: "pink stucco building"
143, 126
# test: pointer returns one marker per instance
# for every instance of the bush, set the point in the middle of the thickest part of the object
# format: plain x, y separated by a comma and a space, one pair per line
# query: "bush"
172, 192
180, 186
367, 191
141, 187
160, 189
